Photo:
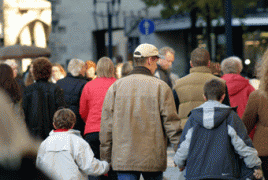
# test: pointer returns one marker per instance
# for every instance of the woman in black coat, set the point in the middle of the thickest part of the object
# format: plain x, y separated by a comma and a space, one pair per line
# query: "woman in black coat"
72, 86
41, 99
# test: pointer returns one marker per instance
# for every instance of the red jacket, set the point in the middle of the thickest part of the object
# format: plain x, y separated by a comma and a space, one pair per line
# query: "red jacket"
239, 90
91, 102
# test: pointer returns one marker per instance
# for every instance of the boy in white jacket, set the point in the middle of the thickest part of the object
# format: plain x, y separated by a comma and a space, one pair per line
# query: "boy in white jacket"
64, 154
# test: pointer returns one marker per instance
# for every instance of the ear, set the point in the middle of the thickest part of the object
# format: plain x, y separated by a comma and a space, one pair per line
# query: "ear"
149, 60
72, 126
191, 64
54, 126
204, 97
222, 97
208, 63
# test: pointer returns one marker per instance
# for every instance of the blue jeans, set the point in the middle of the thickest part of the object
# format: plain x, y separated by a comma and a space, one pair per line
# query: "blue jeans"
135, 175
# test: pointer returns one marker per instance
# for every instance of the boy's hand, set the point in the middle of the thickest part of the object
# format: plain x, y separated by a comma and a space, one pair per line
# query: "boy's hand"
258, 174
182, 168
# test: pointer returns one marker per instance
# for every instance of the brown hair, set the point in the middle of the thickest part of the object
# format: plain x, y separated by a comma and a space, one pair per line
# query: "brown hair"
200, 57
64, 119
214, 89
90, 64
8, 83
42, 68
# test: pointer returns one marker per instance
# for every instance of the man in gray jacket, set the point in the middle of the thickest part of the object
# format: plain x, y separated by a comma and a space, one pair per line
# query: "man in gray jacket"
138, 116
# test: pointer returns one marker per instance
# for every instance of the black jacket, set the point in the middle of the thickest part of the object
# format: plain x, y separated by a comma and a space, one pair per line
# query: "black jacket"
40, 101
72, 88
164, 75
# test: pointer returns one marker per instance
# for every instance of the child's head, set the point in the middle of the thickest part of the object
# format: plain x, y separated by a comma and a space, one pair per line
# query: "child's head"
214, 90
64, 119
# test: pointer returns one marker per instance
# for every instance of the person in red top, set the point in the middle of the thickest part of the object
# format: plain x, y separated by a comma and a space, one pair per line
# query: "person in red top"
239, 87
92, 99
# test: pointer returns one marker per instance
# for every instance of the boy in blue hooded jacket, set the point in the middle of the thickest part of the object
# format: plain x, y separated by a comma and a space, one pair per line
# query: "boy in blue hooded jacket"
214, 143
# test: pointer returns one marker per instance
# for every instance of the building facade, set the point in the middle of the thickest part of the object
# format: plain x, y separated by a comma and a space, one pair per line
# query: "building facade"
25, 23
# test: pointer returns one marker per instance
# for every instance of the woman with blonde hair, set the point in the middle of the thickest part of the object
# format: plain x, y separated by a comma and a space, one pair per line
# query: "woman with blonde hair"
256, 115
91, 102
91, 70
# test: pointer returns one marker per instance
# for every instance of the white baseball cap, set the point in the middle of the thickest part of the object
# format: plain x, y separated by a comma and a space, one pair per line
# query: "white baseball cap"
146, 50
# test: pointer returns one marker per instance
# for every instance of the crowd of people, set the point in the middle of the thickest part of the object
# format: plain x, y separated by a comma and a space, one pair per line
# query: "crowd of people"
110, 120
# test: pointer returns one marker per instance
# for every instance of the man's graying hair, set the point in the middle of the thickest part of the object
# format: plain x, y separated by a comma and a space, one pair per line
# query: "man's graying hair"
164, 50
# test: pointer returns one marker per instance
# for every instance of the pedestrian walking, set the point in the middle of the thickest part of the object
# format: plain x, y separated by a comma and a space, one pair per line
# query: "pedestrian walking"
126, 68
13, 64
72, 86
239, 87
138, 116
41, 99
91, 70
29, 79
92, 100
214, 139
58, 72
188, 90
9, 84
64, 154
256, 115
164, 66
18, 148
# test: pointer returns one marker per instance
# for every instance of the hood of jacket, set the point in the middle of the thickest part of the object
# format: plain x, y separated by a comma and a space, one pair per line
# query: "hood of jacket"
211, 114
235, 83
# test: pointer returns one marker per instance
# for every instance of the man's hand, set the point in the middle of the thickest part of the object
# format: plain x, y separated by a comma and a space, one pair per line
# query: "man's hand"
258, 174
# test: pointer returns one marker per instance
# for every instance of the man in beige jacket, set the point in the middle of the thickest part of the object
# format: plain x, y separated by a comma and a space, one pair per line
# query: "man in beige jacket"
188, 90
138, 116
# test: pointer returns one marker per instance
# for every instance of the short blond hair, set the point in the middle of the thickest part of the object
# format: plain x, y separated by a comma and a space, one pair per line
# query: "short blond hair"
105, 67
75, 66
64, 119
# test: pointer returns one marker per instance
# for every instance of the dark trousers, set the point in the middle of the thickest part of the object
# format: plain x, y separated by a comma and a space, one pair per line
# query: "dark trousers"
94, 142
264, 166
135, 175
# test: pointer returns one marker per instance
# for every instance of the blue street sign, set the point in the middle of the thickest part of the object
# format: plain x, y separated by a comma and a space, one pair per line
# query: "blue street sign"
146, 27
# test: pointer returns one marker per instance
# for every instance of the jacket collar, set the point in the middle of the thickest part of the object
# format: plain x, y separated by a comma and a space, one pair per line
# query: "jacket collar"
202, 69
141, 70
77, 77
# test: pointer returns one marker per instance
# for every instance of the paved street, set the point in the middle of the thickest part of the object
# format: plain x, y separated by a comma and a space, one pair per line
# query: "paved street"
172, 172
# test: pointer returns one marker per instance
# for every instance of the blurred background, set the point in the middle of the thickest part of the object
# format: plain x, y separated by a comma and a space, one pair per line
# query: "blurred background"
90, 29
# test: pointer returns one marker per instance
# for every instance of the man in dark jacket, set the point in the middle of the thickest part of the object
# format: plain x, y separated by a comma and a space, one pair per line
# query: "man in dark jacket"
72, 86
164, 65
41, 99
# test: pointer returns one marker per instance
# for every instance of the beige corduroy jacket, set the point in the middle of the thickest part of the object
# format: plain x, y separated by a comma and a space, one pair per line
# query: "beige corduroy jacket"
190, 90
138, 115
